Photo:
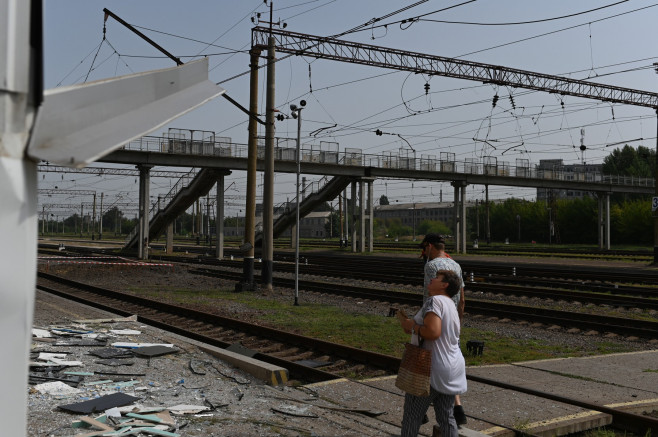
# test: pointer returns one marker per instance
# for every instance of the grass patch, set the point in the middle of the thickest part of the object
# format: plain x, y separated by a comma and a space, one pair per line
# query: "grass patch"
372, 332
499, 349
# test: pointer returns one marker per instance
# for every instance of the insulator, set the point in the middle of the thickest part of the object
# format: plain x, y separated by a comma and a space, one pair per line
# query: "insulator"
495, 100
427, 88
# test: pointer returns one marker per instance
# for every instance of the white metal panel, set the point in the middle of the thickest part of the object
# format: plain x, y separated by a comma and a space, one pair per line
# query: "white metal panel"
79, 124
14, 45
18, 257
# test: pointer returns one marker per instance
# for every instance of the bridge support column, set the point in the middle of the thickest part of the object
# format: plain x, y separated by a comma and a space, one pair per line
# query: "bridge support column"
362, 216
169, 245
607, 221
455, 217
462, 216
600, 221
487, 230
459, 215
144, 185
352, 216
604, 221
346, 221
219, 218
371, 219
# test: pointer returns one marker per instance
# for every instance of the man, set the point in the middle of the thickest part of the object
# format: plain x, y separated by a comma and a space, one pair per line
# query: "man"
433, 246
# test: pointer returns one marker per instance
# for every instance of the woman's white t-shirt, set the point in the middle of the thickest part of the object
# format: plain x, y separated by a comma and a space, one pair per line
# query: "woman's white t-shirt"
448, 365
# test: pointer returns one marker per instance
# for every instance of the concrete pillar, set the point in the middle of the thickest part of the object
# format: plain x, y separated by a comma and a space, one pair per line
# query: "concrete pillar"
462, 216
144, 186
219, 218
455, 218
362, 216
169, 245
353, 216
371, 218
346, 220
488, 223
607, 221
600, 221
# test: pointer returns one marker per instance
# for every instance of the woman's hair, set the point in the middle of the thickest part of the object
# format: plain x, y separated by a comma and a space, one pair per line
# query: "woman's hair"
453, 280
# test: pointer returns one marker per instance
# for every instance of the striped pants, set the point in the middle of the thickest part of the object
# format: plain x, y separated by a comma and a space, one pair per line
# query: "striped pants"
415, 408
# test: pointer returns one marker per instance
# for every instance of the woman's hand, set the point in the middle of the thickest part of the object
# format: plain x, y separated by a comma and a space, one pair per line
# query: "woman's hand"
407, 325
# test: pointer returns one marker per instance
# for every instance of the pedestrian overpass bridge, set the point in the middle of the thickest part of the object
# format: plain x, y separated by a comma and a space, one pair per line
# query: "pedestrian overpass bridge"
217, 157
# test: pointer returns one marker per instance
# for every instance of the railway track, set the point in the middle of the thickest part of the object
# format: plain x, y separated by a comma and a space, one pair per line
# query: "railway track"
603, 324
541, 285
493, 250
274, 346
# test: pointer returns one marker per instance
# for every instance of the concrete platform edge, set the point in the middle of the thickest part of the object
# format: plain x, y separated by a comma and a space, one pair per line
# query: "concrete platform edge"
271, 374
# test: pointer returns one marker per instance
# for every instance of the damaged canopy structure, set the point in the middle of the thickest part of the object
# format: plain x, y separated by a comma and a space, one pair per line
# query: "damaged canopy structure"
92, 120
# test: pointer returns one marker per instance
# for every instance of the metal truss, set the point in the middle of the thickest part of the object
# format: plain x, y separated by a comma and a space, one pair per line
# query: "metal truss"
100, 171
56, 191
356, 53
68, 206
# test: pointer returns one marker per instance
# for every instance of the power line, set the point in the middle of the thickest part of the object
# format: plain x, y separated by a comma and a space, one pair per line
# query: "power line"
556, 31
543, 20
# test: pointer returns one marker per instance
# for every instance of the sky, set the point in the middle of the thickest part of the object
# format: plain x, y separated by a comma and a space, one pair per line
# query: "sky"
608, 42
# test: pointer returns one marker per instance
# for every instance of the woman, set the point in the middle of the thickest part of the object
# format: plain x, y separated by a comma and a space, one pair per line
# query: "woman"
437, 324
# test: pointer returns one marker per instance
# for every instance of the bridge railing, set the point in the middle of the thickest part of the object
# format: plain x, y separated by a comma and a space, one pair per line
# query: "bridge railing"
328, 153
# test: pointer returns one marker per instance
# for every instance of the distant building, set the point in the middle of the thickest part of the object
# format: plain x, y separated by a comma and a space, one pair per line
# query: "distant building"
556, 169
311, 226
413, 214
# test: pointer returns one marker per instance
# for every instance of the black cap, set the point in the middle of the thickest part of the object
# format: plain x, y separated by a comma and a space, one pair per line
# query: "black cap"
431, 239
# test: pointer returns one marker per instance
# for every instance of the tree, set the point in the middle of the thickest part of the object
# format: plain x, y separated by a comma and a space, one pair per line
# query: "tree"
395, 228
111, 219
433, 226
632, 222
628, 161
577, 220
383, 200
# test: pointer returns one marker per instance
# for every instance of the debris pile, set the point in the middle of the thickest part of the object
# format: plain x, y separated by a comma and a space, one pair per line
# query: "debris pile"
115, 385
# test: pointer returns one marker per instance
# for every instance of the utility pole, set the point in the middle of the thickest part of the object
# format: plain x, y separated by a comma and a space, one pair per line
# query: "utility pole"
247, 283
82, 218
268, 188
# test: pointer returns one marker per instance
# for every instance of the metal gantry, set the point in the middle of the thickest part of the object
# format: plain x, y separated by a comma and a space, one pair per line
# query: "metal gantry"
357, 53
100, 171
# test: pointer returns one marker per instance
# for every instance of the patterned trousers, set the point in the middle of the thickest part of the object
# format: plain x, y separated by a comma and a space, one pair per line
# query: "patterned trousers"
415, 408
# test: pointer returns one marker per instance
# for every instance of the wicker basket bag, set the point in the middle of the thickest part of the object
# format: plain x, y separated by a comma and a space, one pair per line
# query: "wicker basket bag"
414, 374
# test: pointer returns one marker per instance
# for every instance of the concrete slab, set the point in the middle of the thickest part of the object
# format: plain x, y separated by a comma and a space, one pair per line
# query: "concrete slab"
379, 394
271, 374
638, 370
